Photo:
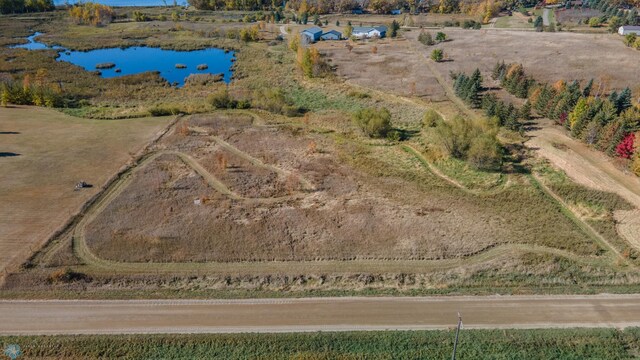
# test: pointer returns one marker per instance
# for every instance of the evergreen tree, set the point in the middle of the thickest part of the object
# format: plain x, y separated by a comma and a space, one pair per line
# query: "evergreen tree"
498, 71
543, 99
395, 26
489, 104
587, 89
613, 97
525, 111
623, 102
538, 23
476, 77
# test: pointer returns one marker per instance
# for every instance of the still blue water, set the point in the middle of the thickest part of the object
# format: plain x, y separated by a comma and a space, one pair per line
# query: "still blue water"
139, 59
126, 2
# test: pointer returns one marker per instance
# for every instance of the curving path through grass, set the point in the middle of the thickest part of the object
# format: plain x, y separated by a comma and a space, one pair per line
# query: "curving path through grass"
434, 170
100, 265
94, 264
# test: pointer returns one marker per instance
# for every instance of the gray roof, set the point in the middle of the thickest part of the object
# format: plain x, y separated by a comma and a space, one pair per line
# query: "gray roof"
333, 32
630, 27
313, 30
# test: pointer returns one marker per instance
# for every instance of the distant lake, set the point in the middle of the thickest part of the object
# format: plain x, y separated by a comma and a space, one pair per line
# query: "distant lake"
139, 59
125, 2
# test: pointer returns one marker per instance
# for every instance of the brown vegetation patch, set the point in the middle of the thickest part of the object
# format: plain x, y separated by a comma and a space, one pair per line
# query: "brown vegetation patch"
394, 66
548, 57
362, 205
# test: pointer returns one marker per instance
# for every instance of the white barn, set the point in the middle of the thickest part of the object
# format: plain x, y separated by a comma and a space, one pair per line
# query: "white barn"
627, 29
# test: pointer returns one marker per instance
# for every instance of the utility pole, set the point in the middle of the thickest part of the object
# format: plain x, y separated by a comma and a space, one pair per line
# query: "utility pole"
455, 343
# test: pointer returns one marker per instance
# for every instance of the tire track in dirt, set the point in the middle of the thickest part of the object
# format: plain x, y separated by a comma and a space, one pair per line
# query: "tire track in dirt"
588, 229
83, 251
97, 264
254, 161
592, 169
448, 89
413, 151
628, 226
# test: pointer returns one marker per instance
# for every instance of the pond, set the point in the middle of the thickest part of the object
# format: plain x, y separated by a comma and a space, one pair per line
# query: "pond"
174, 66
127, 2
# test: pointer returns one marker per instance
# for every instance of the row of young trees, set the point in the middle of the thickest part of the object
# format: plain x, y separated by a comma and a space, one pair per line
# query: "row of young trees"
486, 9
22, 6
607, 122
614, 12
470, 90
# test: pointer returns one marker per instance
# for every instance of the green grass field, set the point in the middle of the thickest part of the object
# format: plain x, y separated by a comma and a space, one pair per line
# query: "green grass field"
473, 344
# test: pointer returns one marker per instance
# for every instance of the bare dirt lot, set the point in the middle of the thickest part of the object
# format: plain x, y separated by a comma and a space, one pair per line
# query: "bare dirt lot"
340, 215
43, 155
546, 56
386, 65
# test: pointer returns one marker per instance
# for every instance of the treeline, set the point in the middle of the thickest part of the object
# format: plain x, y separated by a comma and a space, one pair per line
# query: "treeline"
470, 90
245, 5
22, 6
91, 14
29, 94
486, 9
616, 13
607, 122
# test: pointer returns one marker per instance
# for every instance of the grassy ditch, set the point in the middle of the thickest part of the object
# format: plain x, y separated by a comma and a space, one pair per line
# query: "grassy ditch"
473, 344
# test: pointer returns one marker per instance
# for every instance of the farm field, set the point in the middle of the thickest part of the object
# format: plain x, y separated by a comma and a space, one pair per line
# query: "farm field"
548, 57
44, 154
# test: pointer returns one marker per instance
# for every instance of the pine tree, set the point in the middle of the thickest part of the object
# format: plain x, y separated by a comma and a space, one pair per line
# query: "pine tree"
587, 89
525, 111
473, 94
522, 88
476, 76
623, 102
543, 99
613, 97
498, 70
511, 122
489, 104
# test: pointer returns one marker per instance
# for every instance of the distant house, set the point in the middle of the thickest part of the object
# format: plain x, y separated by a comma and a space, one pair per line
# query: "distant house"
310, 35
396, 12
357, 11
331, 35
627, 29
369, 32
